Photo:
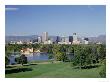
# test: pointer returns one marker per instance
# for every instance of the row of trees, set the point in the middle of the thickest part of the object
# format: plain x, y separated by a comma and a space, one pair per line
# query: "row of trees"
88, 54
78, 54
9, 48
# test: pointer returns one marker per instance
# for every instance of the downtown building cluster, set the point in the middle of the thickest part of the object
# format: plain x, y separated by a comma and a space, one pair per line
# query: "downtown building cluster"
46, 39
63, 40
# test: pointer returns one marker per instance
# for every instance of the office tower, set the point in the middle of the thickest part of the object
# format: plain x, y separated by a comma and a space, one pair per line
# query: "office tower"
86, 41
39, 39
45, 37
63, 39
67, 39
70, 38
57, 39
75, 37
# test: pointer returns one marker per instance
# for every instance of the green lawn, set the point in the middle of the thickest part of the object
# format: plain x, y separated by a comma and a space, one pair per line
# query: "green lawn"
55, 70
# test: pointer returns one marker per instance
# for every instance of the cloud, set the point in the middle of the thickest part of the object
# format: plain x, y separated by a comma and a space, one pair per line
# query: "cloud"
11, 9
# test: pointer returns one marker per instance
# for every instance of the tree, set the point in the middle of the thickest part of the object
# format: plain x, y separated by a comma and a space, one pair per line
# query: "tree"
101, 51
70, 52
78, 57
44, 48
21, 60
50, 56
55, 51
94, 54
6, 56
59, 52
82, 56
6, 60
88, 55
102, 72
18, 60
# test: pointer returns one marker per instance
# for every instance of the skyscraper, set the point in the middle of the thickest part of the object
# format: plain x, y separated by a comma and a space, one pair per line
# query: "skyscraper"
62, 39
57, 39
86, 41
70, 38
75, 37
39, 39
67, 39
45, 36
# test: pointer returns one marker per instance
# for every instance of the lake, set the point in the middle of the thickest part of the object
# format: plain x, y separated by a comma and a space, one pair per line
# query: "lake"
30, 57
37, 56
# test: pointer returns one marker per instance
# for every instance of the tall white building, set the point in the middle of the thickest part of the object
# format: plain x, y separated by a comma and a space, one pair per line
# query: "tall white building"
75, 39
62, 39
39, 39
19, 42
67, 39
86, 41
45, 36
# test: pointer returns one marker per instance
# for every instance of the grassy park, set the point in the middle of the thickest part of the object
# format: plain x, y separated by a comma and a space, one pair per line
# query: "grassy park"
70, 61
51, 70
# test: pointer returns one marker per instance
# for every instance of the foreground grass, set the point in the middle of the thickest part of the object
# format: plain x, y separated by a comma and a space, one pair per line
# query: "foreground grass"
55, 70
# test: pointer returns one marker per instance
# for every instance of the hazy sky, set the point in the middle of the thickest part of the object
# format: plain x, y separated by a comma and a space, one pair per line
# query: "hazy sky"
56, 20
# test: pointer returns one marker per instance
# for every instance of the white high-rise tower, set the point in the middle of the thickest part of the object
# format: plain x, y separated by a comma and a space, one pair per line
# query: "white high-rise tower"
45, 36
75, 37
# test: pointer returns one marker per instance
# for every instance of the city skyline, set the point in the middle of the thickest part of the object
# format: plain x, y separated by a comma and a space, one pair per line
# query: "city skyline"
85, 20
